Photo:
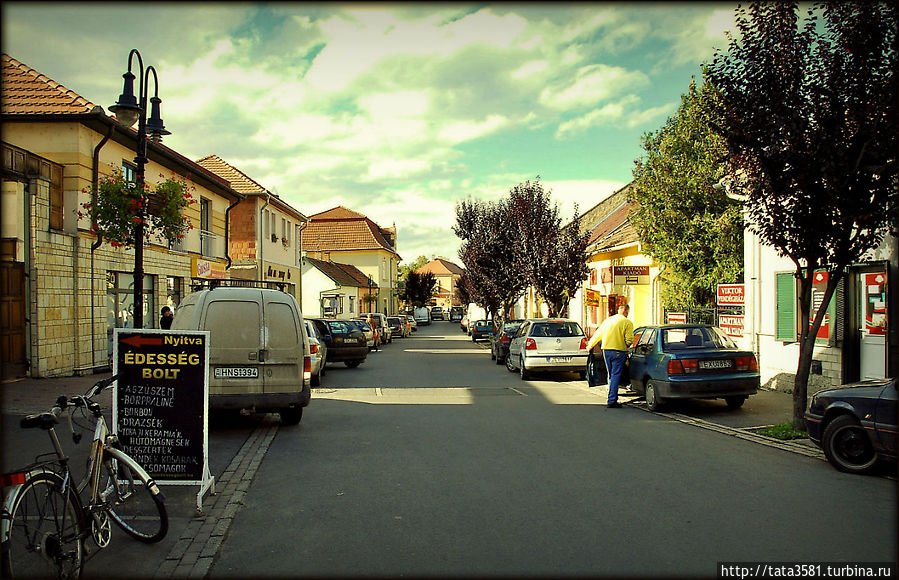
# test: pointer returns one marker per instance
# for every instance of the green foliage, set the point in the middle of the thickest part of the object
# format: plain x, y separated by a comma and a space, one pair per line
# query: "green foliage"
784, 432
404, 269
419, 288
684, 219
119, 204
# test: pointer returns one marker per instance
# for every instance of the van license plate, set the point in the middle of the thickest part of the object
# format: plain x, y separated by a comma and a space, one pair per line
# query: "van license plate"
237, 373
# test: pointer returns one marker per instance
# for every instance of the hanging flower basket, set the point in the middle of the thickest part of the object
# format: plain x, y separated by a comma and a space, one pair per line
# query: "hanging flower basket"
119, 207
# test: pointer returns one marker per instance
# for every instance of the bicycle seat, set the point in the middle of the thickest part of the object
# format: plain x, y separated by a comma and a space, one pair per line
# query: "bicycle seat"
43, 420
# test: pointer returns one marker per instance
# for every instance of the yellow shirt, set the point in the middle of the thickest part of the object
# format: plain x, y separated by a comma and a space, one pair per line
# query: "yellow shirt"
615, 333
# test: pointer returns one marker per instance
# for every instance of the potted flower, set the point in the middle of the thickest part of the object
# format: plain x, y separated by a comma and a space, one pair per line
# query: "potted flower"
274, 237
118, 207
285, 241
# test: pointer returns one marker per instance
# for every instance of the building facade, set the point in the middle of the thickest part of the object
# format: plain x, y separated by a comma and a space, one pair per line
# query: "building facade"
265, 232
447, 275
348, 237
333, 290
67, 289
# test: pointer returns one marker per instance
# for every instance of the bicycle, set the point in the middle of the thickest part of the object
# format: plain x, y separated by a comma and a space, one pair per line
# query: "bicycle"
45, 523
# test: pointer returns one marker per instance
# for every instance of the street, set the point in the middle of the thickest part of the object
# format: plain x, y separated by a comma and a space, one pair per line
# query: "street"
431, 460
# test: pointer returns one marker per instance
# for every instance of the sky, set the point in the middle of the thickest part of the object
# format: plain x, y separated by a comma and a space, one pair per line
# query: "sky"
397, 111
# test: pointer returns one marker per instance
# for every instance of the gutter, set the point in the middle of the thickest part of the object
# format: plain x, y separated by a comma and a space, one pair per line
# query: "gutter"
268, 200
228, 232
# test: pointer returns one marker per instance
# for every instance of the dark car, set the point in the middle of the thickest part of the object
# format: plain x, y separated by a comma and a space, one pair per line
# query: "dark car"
691, 361
481, 329
437, 313
397, 326
346, 341
456, 313
855, 424
499, 345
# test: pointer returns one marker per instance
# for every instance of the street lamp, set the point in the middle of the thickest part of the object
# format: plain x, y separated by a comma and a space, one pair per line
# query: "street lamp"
371, 283
128, 110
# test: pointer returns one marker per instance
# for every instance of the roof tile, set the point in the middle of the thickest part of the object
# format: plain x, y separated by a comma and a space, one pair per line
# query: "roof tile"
28, 92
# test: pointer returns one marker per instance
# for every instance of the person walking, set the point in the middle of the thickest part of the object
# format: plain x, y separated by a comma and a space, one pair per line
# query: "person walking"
377, 333
167, 317
615, 336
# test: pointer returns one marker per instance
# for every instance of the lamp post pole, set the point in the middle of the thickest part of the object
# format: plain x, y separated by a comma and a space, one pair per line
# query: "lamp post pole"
127, 111
370, 284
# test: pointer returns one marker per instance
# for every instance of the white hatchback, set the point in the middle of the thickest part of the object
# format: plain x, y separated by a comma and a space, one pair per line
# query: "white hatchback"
548, 345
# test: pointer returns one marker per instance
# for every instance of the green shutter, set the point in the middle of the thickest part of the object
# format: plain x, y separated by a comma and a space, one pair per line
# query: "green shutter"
786, 307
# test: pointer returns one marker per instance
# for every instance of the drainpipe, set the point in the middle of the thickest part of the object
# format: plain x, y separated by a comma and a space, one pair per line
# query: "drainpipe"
268, 200
95, 182
26, 198
299, 238
228, 233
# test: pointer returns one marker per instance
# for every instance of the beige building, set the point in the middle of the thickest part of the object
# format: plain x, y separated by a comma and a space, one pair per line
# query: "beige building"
348, 237
64, 292
265, 232
447, 275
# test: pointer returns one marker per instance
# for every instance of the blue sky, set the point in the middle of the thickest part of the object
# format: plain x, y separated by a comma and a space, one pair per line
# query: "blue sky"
397, 111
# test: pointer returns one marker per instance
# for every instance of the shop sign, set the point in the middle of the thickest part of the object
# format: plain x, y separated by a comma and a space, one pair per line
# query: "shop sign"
731, 295
630, 275
280, 275
677, 318
731, 324
819, 286
591, 297
208, 269
874, 305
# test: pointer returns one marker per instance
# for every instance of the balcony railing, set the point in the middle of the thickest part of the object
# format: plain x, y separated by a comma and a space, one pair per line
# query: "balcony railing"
209, 244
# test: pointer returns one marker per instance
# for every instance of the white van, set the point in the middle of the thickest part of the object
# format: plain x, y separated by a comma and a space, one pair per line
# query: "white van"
259, 355
422, 315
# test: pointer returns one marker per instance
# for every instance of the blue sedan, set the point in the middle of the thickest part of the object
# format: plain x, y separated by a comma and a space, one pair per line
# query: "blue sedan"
691, 361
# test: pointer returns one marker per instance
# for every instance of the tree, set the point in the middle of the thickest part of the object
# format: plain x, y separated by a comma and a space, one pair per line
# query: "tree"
419, 288
412, 266
463, 293
553, 259
684, 219
809, 117
492, 278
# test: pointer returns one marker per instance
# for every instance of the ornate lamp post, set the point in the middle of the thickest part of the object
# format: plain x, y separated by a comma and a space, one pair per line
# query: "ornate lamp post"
371, 283
128, 110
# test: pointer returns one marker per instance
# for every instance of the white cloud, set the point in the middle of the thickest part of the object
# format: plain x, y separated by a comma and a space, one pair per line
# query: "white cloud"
529, 69
467, 130
592, 84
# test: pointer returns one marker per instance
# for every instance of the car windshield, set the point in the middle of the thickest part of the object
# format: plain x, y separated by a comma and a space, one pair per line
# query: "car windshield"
556, 329
695, 337
339, 327
511, 327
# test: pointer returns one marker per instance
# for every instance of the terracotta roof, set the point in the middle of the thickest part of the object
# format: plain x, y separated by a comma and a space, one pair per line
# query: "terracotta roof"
239, 180
343, 274
28, 92
440, 266
343, 229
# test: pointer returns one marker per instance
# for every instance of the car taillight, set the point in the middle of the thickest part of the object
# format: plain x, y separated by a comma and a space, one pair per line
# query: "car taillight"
682, 366
505, 338
584, 342
313, 348
746, 363
307, 366
531, 344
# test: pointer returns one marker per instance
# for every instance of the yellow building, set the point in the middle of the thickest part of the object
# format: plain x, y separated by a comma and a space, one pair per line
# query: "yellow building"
66, 291
447, 275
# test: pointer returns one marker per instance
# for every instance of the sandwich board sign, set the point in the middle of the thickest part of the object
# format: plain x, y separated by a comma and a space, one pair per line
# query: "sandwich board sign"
160, 405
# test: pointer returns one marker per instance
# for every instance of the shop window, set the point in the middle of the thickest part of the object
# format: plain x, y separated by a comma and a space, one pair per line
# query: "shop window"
120, 303
787, 319
172, 292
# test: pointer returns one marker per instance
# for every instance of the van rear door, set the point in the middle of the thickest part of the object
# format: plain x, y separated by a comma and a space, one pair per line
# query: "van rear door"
235, 339
283, 345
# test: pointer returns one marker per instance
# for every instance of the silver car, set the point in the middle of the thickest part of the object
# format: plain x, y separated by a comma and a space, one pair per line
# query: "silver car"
319, 351
548, 345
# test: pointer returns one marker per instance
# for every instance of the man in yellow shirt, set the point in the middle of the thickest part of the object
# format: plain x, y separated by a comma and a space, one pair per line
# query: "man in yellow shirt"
615, 336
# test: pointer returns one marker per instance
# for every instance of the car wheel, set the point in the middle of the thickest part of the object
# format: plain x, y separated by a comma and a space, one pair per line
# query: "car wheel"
291, 415
735, 402
499, 360
653, 402
352, 363
525, 375
847, 446
509, 365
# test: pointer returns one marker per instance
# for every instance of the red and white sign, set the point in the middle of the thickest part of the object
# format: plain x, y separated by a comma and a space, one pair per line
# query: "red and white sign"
731, 295
732, 325
677, 318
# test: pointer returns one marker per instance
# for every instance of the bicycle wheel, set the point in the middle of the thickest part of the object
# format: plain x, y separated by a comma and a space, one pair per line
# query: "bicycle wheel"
44, 531
135, 503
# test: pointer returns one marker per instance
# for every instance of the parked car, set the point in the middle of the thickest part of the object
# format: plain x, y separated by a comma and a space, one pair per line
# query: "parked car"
691, 361
397, 326
346, 342
362, 325
499, 343
481, 329
456, 313
855, 424
318, 350
437, 313
463, 324
548, 344
239, 376
422, 316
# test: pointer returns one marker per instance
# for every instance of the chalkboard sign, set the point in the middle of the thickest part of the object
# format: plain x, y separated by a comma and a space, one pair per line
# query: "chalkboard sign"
160, 403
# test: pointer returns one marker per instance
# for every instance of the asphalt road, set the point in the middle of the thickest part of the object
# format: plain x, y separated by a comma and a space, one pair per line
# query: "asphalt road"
430, 460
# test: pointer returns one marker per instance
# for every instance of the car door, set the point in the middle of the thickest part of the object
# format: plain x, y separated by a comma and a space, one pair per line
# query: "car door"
518, 342
640, 353
283, 345
885, 418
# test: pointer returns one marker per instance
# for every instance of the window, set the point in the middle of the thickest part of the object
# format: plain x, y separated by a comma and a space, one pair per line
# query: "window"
129, 172
172, 292
786, 307
265, 232
352, 309
57, 200
787, 321
205, 215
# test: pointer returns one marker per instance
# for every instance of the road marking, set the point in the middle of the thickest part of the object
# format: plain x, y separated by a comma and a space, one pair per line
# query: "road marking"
517, 391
